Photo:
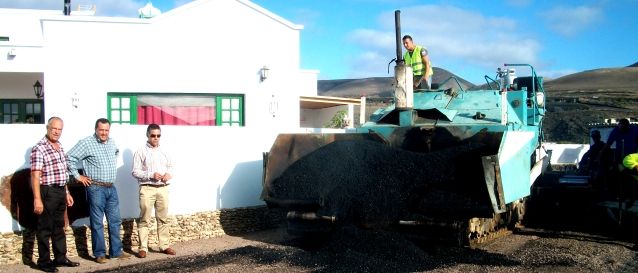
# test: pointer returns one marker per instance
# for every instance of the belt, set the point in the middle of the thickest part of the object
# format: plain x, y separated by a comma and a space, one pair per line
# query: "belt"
155, 185
52, 186
102, 184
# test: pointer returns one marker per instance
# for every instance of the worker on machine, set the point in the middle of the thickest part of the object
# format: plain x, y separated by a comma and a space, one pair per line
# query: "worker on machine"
417, 57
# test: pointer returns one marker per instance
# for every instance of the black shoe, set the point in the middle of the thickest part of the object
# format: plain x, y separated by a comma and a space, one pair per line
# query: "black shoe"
48, 267
68, 263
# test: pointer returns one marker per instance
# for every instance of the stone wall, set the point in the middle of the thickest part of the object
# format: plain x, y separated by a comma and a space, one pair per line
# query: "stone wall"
20, 246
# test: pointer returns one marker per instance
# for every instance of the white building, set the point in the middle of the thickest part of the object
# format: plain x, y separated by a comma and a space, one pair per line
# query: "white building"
197, 70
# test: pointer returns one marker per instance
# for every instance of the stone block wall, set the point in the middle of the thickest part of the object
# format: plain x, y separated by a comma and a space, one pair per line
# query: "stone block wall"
20, 246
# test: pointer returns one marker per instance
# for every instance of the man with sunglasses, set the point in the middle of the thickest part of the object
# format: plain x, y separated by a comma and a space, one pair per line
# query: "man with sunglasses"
152, 167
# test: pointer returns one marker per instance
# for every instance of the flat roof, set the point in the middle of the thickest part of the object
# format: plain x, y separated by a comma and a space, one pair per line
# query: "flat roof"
319, 102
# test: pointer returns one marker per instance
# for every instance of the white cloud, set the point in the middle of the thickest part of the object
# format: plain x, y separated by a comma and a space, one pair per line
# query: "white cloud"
32, 4
452, 36
554, 74
569, 21
124, 8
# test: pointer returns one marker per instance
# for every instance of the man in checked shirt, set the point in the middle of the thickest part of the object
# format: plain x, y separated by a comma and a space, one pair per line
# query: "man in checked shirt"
152, 166
98, 154
50, 197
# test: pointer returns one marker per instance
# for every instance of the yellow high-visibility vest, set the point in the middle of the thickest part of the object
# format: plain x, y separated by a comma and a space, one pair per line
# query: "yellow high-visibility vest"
416, 62
630, 162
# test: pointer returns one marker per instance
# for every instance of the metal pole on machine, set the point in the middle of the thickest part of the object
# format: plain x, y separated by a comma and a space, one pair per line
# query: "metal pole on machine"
403, 87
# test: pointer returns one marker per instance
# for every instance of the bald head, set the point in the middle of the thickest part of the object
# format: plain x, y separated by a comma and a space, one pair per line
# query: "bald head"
54, 129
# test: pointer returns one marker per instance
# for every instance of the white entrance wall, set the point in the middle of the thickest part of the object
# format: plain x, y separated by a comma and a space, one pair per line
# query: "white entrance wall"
206, 46
215, 167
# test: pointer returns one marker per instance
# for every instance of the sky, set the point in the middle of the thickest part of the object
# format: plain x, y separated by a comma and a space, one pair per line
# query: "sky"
355, 38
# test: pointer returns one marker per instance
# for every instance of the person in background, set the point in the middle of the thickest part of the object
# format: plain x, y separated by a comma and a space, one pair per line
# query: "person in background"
153, 168
595, 162
50, 197
630, 163
624, 136
98, 155
418, 58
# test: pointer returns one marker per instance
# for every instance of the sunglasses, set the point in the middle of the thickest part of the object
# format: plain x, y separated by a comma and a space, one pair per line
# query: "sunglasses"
153, 136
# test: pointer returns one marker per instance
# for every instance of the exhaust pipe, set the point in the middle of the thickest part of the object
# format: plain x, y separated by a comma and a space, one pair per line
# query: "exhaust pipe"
403, 85
397, 31
67, 7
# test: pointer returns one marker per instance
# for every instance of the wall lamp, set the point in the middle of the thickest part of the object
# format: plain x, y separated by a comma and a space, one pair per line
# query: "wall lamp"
37, 89
263, 73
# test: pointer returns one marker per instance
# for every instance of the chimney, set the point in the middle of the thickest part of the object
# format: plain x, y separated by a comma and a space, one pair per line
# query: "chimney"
67, 7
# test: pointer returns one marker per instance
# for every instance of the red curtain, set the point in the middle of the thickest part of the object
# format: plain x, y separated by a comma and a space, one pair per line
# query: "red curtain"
178, 115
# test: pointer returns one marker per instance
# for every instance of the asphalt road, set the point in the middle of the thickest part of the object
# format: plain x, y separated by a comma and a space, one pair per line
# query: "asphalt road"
354, 250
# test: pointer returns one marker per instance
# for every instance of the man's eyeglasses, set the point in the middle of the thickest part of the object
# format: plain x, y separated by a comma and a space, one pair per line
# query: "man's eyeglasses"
155, 136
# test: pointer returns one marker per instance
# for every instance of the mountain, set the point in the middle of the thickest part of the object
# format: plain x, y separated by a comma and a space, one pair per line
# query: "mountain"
574, 101
634, 65
624, 78
379, 87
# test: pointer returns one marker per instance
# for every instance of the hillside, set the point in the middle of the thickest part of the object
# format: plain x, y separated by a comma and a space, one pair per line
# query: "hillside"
586, 97
604, 79
379, 87
573, 101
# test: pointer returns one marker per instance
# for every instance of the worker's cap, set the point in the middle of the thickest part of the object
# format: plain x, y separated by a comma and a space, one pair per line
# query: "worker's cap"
595, 133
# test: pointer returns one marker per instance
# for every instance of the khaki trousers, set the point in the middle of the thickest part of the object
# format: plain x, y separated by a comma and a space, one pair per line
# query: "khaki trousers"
157, 198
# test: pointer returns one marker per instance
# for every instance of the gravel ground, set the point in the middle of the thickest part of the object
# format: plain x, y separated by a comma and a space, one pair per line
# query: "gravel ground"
355, 250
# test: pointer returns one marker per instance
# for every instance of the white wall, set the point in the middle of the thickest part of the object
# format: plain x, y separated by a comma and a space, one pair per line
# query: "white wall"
566, 153
318, 118
308, 82
23, 28
18, 85
212, 47
215, 167
26, 59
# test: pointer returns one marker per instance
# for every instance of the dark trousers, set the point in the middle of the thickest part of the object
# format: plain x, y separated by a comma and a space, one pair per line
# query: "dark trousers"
51, 224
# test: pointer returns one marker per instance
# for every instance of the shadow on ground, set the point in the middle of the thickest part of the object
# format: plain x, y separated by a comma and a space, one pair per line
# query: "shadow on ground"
349, 250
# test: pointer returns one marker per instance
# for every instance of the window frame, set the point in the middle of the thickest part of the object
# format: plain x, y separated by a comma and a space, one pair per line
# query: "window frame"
218, 97
133, 108
22, 109
220, 110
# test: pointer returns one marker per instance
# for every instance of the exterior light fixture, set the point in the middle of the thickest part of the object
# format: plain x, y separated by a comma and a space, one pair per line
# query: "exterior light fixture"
37, 89
75, 100
263, 73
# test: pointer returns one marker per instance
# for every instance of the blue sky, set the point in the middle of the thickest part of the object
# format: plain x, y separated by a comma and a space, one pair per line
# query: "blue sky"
355, 38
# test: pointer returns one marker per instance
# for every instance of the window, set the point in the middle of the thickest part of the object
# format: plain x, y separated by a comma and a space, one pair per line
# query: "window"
120, 109
4, 38
176, 109
229, 112
21, 111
